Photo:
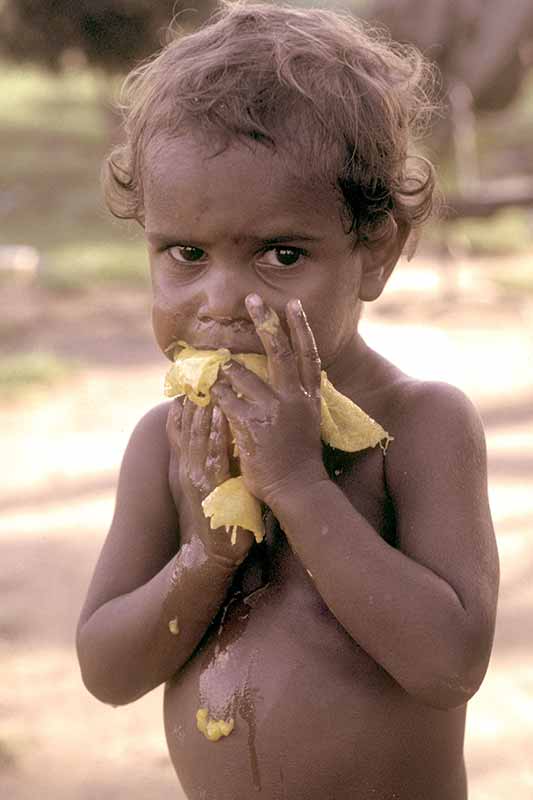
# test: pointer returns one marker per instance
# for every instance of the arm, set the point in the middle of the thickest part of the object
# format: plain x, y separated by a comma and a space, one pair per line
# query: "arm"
142, 581
426, 611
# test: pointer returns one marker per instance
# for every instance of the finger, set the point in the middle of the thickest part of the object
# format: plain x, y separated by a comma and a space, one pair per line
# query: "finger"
304, 346
199, 437
217, 461
186, 422
174, 423
282, 367
246, 383
234, 408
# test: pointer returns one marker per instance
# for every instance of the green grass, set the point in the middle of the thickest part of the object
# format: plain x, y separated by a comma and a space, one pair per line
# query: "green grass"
54, 134
25, 372
76, 265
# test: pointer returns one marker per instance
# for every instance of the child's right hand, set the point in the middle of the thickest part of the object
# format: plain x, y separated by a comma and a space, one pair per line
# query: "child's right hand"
200, 446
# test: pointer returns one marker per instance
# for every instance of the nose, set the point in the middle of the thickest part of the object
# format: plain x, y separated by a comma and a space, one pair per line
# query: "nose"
223, 293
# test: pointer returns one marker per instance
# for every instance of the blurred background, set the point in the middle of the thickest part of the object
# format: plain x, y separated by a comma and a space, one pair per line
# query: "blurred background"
78, 367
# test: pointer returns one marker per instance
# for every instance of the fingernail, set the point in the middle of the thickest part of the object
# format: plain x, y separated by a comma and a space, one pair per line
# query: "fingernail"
227, 366
254, 302
296, 306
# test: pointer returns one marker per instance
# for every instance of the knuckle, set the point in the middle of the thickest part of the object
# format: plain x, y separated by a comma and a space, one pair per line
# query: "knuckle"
199, 427
313, 359
282, 351
214, 451
214, 436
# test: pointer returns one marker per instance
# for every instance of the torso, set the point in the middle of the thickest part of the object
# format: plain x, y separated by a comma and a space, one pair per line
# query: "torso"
277, 661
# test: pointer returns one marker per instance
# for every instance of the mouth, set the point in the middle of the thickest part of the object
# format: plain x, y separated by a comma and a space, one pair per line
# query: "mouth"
238, 338
234, 347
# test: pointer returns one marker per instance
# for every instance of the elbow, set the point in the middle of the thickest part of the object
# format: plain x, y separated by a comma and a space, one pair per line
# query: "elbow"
450, 685
107, 691
108, 683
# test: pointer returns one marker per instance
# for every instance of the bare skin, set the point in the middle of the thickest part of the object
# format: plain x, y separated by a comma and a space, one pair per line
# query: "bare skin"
347, 644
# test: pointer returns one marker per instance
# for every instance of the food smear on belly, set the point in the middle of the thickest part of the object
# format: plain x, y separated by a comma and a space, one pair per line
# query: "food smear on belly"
213, 729
343, 425
229, 686
173, 626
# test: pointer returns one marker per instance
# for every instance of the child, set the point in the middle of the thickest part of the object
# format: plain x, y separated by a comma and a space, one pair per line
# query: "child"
267, 159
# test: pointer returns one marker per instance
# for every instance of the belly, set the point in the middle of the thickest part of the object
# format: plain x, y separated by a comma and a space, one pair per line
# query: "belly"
314, 715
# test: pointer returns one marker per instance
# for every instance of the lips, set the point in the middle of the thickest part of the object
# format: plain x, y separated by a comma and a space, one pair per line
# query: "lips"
242, 345
237, 339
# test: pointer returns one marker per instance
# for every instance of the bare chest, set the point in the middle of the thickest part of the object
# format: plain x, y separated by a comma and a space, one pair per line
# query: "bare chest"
361, 477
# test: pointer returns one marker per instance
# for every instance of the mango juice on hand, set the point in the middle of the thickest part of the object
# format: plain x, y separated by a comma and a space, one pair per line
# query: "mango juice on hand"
344, 426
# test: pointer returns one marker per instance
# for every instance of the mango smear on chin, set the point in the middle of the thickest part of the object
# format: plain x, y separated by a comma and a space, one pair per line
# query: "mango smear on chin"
343, 425
213, 729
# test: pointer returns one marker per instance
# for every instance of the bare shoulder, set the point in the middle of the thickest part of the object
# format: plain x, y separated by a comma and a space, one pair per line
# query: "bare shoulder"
436, 475
151, 427
420, 407
143, 479
434, 425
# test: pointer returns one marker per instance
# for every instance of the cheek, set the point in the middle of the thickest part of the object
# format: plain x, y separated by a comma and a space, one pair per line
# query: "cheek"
335, 321
163, 327
173, 316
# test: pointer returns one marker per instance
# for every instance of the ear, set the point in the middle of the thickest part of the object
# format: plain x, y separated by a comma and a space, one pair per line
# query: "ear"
379, 259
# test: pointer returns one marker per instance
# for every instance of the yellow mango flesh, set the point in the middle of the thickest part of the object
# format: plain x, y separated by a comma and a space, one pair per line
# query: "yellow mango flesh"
195, 371
343, 425
231, 505
213, 729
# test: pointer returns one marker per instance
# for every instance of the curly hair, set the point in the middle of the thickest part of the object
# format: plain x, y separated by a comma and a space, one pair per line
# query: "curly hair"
337, 94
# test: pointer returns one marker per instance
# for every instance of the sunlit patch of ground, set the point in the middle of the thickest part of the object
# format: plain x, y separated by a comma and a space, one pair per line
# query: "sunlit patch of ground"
62, 451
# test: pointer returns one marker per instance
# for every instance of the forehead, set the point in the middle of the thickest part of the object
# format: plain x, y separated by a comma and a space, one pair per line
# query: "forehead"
185, 180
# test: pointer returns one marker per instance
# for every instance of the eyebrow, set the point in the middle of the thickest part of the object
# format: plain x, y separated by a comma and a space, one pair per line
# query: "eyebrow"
289, 236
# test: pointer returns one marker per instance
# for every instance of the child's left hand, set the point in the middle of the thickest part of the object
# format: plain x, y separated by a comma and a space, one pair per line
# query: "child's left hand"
277, 426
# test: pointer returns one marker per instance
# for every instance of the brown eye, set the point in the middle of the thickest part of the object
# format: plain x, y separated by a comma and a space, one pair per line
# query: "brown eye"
185, 254
282, 256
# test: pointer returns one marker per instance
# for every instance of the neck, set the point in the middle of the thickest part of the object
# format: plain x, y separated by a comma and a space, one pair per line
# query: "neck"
348, 367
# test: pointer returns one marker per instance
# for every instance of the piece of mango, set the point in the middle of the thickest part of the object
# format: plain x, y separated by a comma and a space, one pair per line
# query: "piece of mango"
231, 505
343, 425
195, 371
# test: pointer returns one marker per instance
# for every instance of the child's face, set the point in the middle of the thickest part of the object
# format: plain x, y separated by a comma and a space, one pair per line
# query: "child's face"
222, 226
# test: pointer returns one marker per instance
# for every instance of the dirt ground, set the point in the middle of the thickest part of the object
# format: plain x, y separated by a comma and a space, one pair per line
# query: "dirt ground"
61, 450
